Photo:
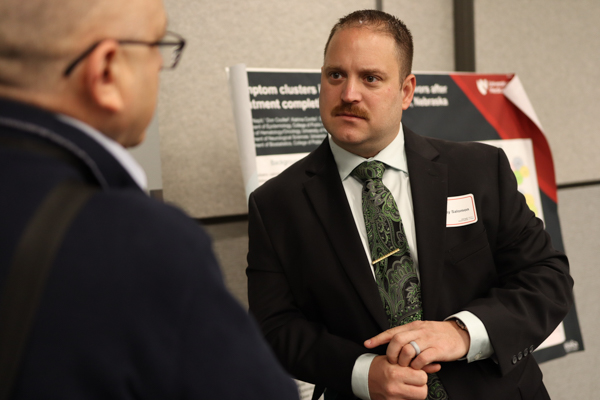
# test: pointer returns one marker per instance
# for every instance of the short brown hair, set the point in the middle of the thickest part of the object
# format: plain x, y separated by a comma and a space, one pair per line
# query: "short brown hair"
384, 23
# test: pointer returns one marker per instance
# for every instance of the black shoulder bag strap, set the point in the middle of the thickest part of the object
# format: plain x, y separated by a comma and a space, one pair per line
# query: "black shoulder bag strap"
29, 270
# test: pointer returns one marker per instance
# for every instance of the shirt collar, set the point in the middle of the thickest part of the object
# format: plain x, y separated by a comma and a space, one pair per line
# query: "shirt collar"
393, 156
115, 149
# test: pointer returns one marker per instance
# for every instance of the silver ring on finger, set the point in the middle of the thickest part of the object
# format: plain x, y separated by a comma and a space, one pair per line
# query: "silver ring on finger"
416, 347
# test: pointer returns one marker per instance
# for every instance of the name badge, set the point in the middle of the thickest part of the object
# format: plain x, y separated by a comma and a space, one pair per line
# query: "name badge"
461, 211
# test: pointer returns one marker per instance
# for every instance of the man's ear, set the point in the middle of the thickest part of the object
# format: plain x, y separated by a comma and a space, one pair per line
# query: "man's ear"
408, 90
103, 76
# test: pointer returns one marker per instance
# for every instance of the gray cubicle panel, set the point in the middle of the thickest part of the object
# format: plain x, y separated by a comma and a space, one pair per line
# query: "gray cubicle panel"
554, 46
432, 27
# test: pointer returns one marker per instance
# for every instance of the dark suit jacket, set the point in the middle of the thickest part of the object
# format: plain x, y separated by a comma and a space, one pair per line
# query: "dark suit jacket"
135, 306
311, 288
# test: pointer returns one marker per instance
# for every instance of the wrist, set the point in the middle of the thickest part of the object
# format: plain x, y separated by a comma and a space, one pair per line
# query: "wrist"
480, 346
463, 332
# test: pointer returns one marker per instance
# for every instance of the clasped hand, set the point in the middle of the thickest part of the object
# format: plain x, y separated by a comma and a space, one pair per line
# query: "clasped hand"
401, 373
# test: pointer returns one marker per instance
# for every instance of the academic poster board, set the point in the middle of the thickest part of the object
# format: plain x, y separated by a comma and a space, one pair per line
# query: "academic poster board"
277, 122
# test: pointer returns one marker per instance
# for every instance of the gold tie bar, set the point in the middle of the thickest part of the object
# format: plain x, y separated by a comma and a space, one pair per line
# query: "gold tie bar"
386, 256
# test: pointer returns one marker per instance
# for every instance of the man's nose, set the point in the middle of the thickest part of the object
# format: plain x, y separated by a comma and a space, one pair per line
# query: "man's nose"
351, 91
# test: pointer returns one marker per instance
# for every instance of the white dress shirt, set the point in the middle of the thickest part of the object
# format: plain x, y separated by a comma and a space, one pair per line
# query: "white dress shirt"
396, 179
122, 156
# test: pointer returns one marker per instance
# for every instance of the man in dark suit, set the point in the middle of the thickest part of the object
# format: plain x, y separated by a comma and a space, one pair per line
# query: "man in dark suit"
134, 305
491, 286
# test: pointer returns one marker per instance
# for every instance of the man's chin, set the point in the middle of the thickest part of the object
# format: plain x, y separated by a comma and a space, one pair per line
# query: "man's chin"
348, 139
133, 142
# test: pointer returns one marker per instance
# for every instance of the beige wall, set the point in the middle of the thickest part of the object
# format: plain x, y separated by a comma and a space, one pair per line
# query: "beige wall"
551, 44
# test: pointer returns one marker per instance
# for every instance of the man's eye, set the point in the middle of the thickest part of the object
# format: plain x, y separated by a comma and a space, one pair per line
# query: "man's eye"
371, 79
335, 75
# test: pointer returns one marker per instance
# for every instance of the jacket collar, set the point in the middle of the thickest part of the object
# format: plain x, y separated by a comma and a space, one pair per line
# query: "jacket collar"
326, 193
27, 120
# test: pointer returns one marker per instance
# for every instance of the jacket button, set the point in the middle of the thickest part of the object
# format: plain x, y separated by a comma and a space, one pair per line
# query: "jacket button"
531, 349
526, 352
520, 356
514, 359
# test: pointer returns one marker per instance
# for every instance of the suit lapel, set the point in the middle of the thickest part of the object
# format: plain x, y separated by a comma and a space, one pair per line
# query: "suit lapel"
326, 193
429, 187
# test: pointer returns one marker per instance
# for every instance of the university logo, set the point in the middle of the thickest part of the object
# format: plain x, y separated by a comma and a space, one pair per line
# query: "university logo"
482, 85
493, 87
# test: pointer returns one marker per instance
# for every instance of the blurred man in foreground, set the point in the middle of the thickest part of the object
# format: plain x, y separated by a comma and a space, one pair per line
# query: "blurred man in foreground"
134, 305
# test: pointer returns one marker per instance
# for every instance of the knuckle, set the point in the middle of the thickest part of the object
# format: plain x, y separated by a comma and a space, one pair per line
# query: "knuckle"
395, 374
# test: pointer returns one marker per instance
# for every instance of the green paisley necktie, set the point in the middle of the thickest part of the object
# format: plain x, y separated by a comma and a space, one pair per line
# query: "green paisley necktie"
395, 273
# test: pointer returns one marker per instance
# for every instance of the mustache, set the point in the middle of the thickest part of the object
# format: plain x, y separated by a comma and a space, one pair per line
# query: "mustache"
350, 109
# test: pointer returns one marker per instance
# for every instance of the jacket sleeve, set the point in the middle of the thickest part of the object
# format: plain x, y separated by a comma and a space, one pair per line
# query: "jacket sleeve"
534, 289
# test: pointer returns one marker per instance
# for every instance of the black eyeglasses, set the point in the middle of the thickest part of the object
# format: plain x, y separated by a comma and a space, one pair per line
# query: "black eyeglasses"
170, 47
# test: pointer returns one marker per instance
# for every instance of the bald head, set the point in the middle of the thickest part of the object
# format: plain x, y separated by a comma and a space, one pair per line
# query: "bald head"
35, 34
113, 86
39, 37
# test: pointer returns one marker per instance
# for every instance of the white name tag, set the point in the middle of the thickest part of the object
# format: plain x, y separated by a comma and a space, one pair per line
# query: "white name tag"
461, 211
